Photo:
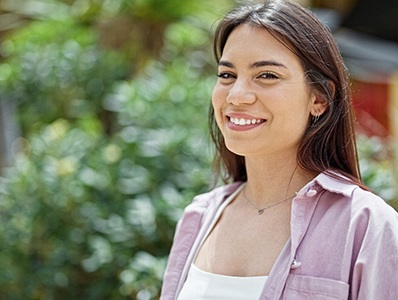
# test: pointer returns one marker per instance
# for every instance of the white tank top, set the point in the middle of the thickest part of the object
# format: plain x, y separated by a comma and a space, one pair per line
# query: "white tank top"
205, 286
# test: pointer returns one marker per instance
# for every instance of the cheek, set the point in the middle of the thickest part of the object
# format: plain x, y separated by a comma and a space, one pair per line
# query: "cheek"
300, 114
294, 111
217, 95
218, 100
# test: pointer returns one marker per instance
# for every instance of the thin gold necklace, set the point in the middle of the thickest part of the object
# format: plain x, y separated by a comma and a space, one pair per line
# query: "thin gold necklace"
261, 210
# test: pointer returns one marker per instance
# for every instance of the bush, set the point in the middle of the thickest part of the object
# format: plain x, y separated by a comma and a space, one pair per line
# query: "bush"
93, 216
375, 158
57, 70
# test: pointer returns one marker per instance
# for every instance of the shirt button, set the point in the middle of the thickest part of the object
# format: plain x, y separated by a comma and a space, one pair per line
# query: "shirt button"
295, 264
311, 193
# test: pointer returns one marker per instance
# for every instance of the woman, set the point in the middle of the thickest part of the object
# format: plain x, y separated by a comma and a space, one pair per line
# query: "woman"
296, 223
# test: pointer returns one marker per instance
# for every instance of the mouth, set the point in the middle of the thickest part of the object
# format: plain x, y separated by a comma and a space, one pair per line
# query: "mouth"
245, 122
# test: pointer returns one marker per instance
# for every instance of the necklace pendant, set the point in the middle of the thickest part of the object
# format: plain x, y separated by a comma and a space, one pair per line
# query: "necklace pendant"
260, 211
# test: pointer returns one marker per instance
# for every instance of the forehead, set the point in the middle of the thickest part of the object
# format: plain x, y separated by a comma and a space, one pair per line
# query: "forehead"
256, 42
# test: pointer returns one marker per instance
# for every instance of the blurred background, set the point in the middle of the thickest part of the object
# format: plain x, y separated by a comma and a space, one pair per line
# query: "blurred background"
103, 132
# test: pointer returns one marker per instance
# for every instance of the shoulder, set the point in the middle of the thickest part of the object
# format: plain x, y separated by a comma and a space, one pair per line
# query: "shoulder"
203, 206
213, 198
195, 215
364, 207
374, 216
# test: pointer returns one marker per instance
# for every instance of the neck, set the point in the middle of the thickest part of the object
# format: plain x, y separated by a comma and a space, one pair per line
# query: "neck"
272, 180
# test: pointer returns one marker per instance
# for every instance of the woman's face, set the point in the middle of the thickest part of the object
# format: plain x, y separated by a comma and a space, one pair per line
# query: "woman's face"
261, 101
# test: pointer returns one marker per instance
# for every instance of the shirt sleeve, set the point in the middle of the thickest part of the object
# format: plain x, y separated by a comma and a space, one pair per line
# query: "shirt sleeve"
375, 271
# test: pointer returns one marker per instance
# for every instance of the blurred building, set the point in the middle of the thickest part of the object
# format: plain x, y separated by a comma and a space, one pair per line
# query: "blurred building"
367, 34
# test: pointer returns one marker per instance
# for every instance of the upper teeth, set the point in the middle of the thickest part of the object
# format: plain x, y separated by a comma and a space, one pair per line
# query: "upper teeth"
242, 121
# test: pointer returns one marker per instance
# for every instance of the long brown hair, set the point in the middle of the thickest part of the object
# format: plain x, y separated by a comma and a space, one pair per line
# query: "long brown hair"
327, 145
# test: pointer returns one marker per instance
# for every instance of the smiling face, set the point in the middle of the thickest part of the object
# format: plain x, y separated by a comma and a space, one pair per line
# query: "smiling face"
261, 100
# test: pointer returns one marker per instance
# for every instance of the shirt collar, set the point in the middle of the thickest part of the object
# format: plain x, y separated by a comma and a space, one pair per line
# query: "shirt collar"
334, 182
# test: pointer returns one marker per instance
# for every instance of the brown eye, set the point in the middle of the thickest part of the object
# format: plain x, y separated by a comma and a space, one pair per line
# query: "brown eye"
268, 75
225, 75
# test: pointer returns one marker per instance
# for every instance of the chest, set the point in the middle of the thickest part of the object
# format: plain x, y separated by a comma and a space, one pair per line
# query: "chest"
241, 246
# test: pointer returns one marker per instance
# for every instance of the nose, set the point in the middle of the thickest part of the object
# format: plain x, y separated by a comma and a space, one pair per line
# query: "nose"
240, 93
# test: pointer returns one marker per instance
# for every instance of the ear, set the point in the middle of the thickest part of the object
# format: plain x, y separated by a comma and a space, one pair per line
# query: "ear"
319, 105
320, 102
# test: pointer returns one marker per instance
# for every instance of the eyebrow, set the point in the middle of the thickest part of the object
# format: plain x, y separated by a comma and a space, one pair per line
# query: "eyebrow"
257, 64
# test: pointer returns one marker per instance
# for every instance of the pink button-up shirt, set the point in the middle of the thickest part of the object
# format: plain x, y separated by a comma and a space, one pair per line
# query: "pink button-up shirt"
343, 244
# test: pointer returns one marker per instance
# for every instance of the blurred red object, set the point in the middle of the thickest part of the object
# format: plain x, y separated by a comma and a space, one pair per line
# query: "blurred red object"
371, 102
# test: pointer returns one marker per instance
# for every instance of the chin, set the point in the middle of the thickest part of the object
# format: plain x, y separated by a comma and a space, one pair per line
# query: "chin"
238, 150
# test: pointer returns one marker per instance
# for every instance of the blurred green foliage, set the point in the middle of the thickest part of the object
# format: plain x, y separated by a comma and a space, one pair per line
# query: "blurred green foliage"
376, 157
112, 149
56, 69
90, 212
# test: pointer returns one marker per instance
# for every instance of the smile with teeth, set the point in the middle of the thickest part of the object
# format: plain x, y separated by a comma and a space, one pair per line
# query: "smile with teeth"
242, 121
